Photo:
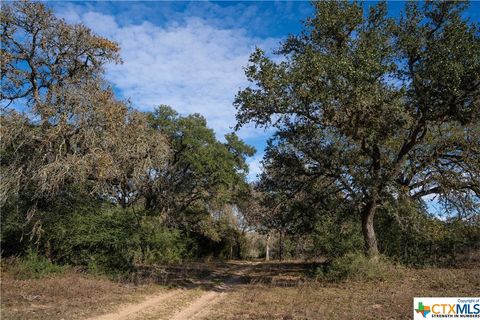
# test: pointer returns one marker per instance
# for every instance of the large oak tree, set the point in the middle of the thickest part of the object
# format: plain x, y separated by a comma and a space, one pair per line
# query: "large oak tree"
372, 110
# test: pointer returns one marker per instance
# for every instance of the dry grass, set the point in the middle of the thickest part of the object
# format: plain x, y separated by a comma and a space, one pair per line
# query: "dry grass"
268, 291
388, 299
68, 296
169, 307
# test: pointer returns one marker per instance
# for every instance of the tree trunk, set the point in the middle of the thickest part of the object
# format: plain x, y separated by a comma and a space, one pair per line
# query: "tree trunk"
267, 248
281, 247
371, 245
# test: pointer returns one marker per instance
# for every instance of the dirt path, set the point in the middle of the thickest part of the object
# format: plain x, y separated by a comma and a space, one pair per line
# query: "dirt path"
186, 306
199, 306
202, 305
132, 309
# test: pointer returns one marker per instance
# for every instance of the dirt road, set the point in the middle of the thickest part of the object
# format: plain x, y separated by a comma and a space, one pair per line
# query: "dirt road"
176, 304
183, 304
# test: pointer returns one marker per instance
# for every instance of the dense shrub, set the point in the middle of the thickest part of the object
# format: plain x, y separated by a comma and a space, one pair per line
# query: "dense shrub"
104, 238
355, 266
32, 265
413, 237
161, 244
334, 236
99, 240
114, 239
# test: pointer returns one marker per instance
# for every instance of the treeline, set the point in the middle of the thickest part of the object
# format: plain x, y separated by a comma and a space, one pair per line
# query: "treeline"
88, 180
367, 129
416, 238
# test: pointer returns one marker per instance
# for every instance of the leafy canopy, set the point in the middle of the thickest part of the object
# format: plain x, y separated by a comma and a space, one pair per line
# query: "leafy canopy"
372, 110
201, 170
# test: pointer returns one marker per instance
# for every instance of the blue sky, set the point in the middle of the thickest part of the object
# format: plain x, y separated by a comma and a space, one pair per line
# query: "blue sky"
190, 55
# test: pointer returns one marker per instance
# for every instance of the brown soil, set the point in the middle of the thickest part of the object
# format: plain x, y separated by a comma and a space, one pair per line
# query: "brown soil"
69, 296
235, 290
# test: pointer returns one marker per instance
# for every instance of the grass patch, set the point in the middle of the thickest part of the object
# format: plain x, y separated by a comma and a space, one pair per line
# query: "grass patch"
32, 266
72, 295
356, 266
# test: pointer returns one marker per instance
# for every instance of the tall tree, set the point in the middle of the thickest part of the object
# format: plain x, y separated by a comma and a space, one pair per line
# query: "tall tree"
69, 121
200, 171
133, 155
373, 109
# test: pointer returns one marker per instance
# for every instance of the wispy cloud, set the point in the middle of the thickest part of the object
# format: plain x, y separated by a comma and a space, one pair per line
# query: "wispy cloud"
189, 55
255, 165
193, 65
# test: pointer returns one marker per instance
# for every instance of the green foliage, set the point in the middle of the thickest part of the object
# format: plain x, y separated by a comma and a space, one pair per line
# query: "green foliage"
202, 172
163, 245
334, 237
101, 240
355, 266
368, 108
114, 239
33, 265
416, 238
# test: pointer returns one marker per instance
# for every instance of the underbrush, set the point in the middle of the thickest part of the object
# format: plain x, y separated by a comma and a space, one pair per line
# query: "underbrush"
103, 239
356, 266
32, 265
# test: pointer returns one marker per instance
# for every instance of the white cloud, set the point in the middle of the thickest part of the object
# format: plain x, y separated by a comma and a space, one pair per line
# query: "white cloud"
255, 165
192, 65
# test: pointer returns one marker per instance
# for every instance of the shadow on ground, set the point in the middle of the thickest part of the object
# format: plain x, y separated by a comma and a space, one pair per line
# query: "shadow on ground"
222, 276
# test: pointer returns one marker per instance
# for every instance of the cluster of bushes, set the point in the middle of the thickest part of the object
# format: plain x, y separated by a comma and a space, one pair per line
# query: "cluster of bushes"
408, 236
113, 239
421, 239
355, 266
103, 238
417, 240
32, 265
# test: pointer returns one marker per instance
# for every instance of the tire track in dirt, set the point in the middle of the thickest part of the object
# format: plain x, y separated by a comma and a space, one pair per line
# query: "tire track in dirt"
132, 309
202, 305
199, 306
